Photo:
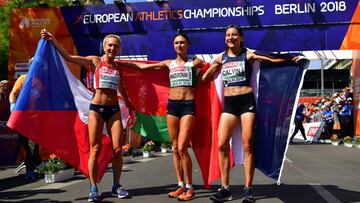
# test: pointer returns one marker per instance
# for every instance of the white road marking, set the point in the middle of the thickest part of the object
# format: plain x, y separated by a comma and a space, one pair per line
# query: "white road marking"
163, 154
145, 160
288, 160
324, 193
53, 186
152, 158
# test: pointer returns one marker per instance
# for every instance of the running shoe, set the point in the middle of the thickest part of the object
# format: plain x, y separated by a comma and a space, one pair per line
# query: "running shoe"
249, 197
93, 196
119, 192
221, 195
186, 196
20, 167
175, 194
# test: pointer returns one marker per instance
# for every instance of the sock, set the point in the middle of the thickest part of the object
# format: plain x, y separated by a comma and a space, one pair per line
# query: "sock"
93, 188
247, 188
188, 186
181, 184
226, 187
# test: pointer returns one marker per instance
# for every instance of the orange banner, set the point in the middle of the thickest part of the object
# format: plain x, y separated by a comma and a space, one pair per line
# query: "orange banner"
25, 33
356, 90
351, 41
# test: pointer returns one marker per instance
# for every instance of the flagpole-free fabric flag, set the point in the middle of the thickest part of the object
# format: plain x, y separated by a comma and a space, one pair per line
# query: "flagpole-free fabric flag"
276, 87
278, 92
148, 91
52, 110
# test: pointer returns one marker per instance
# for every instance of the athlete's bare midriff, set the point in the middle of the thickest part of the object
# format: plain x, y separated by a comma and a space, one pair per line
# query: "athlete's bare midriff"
181, 93
237, 90
104, 96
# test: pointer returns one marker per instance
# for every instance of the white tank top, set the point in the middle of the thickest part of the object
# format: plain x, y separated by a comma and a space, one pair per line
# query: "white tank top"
182, 75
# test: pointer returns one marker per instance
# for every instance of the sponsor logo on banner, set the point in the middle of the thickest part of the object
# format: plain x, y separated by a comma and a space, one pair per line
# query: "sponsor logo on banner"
22, 65
34, 22
312, 131
25, 23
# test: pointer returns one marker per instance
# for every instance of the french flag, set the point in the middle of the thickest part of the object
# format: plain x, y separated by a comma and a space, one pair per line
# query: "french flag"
276, 90
52, 110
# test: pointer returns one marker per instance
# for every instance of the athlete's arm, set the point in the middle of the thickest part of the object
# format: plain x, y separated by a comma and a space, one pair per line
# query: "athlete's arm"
252, 56
143, 66
213, 68
80, 60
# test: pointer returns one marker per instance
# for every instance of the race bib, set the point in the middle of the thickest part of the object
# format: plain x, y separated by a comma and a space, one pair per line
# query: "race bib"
233, 72
181, 76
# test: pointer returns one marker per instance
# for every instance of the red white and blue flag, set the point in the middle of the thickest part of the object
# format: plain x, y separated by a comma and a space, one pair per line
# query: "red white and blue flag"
52, 109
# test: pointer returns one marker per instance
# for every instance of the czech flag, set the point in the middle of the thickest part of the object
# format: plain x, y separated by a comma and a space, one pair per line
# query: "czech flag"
52, 110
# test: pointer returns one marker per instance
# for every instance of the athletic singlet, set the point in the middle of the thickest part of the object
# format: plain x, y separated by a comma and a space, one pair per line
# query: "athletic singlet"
183, 75
106, 77
236, 70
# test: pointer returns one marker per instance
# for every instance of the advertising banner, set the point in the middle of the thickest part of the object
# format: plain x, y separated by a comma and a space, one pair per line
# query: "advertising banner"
25, 33
140, 17
312, 131
148, 28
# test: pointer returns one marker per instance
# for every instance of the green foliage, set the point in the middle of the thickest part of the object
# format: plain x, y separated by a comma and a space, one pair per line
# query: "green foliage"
165, 145
148, 147
347, 139
357, 141
54, 165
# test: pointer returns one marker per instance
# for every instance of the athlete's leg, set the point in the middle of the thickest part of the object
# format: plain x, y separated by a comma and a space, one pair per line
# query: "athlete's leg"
186, 128
227, 125
114, 127
247, 125
173, 123
95, 127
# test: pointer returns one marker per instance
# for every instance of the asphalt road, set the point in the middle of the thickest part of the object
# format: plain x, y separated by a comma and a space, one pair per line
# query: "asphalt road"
312, 173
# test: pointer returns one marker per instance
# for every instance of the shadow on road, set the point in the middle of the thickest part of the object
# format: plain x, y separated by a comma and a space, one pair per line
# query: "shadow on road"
15, 195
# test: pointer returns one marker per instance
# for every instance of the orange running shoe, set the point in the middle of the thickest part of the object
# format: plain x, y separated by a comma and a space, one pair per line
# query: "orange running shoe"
186, 196
177, 192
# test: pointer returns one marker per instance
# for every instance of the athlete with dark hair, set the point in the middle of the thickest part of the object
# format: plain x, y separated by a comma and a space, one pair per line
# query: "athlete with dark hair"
180, 110
235, 65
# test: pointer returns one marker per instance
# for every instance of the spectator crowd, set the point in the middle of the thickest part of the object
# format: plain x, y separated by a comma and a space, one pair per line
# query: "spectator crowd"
336, 111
